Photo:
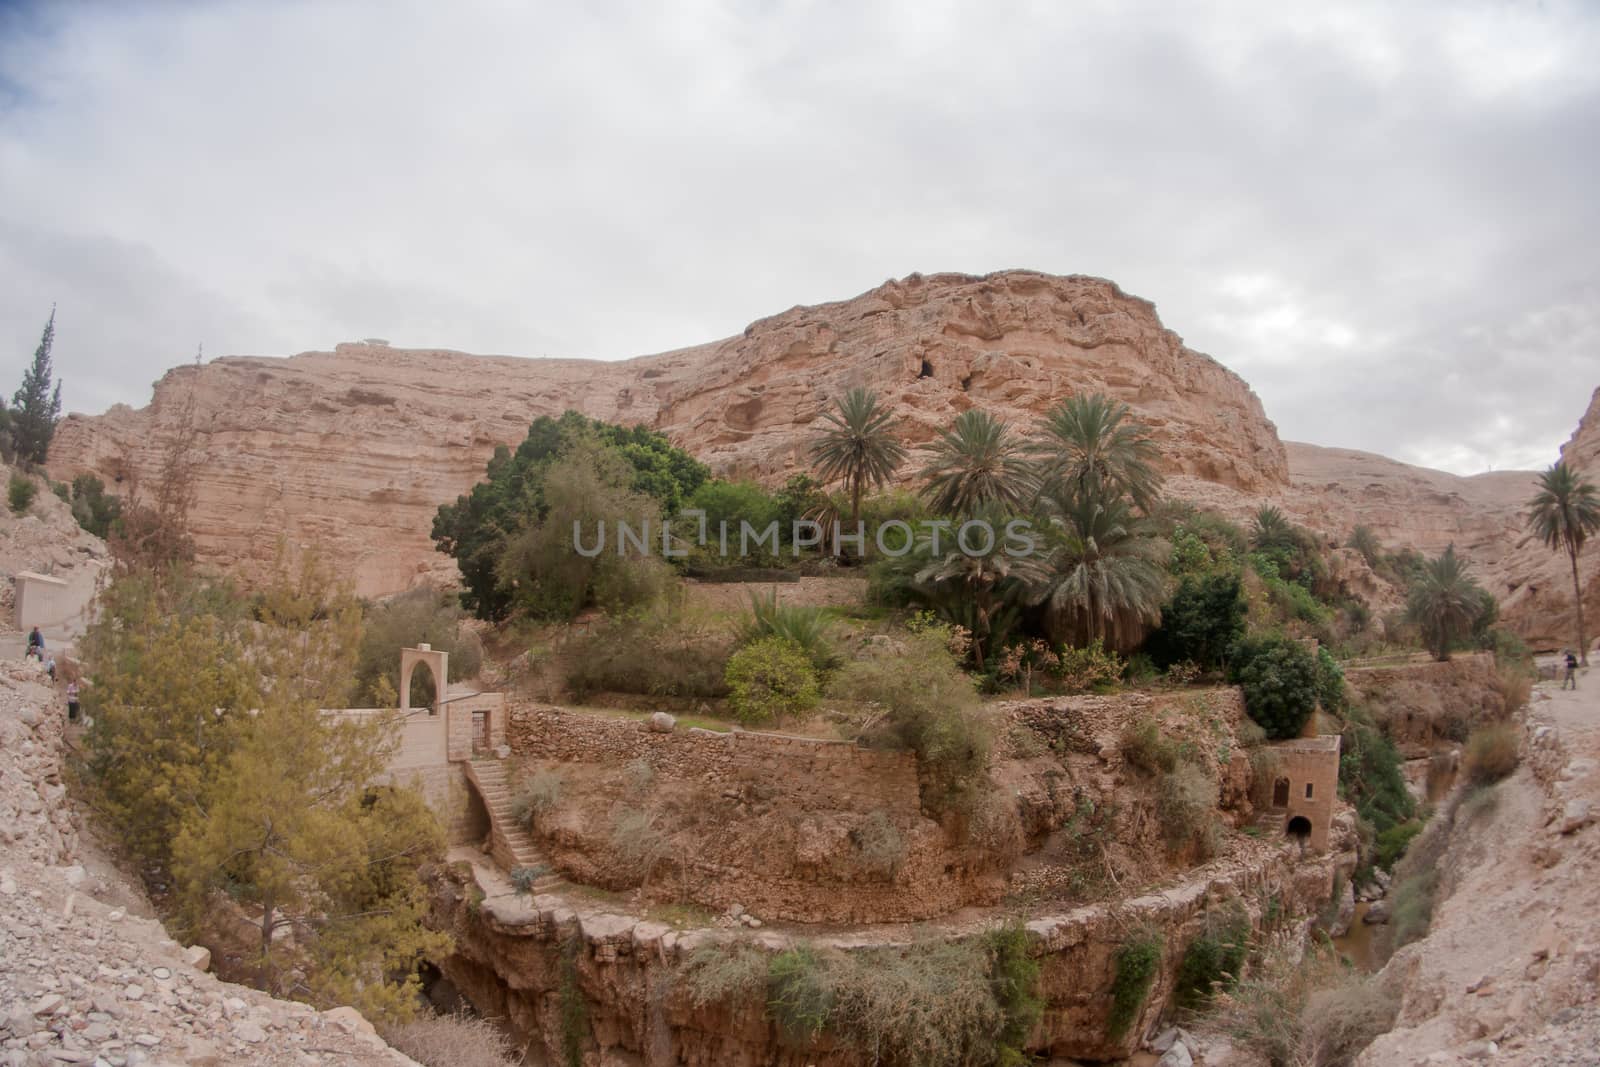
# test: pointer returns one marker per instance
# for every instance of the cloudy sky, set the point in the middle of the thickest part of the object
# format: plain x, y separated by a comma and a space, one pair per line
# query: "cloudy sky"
1384, 217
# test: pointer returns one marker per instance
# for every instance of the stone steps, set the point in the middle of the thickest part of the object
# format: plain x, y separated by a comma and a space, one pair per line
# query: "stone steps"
512, 842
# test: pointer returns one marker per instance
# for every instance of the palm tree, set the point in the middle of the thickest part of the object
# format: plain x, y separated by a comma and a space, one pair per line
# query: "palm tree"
1271, 530
1092, 446
988, 581
975, 463
1564, 512
1445, 601
859, 446
1105, 579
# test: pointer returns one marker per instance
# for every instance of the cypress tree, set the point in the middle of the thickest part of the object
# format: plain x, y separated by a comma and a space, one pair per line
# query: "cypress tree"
36, 407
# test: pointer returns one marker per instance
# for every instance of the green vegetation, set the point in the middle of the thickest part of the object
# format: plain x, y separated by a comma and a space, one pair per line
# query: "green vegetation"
1214, 960
975, 465
1445, 603
1137, 961
574, 1007
20, 493
804, 626
1204, 618
96, 510
657, 654
1371, 780
538, 795
1093, 449
30, 422
1280, 682
512, 534
858, 446
771, 679
423, 615
212, 763
927, 704
1106, 581
1564, 514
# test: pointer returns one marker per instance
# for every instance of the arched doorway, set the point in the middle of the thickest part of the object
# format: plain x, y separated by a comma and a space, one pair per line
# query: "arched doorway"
1280, 793
423, 688
1299, 828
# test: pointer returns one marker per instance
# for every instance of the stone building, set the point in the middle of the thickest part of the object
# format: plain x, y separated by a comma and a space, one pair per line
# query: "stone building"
1297, 797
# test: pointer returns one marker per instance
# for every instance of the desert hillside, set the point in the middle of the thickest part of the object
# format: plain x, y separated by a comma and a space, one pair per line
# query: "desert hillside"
353, 450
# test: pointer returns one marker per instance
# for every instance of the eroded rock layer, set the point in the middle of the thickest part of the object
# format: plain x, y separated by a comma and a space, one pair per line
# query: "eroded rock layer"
353, 450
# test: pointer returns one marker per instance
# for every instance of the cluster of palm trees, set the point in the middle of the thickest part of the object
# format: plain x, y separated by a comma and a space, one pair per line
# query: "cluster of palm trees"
1088, 473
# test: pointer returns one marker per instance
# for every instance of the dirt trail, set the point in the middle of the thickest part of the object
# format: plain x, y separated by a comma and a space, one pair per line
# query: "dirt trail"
1508, 973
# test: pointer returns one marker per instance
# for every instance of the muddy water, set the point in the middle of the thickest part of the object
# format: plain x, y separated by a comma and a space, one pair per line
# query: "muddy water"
1357, 945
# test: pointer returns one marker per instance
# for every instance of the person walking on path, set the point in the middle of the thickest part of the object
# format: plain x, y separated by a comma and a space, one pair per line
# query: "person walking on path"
1570, 681
72, 701
35, 645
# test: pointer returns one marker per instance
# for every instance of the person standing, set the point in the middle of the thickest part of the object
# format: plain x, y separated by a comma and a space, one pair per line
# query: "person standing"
72, 701
1571, 679
35, 645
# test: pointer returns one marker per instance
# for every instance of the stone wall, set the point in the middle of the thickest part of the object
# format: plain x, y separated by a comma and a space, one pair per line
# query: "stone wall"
1422, 703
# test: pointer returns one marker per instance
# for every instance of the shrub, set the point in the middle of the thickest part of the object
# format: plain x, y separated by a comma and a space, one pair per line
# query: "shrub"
1202, 621
1136, 963
1014, 977
1186, 804
720, 972
770, 679
799, 998
651, 655
1092, 667
880, 848
1146, 747
1393, 842
1492, 753
449, 1040
1370, 775
1214, 959
1411, 911
21, 493
805, 625
638, 842
523, 879
574, 1007
929, 705
540, 793
422, 615
1340, 1022
95, 509
1330, 682
1280, 683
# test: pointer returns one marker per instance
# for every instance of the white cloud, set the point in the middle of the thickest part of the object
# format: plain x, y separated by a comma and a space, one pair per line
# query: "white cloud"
1382, 215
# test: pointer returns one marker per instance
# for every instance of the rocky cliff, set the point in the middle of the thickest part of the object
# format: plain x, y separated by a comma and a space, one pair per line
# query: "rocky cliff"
354, 449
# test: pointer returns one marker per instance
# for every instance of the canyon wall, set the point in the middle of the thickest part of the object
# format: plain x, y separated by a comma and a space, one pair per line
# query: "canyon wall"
353, 450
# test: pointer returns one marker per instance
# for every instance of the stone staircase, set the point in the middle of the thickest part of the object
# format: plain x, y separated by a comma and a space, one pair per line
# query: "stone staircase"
510, 844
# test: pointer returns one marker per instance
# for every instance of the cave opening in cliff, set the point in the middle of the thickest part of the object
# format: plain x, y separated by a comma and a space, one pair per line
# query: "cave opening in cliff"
927, 370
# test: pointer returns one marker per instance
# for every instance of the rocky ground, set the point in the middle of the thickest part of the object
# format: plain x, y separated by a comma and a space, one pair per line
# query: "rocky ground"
87, 975
1510, 970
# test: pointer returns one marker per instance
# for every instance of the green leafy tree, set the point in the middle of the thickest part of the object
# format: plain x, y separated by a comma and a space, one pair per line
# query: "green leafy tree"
1564, 513
96, 510
975, 464
211, 757
20, 493
36, 407
1093, 448
423, 615
858, 446
477, 528
1105, 580
1444, 602
1202, 621
1280, 681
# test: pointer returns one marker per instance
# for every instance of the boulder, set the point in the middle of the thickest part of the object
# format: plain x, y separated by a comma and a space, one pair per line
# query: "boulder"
662, 723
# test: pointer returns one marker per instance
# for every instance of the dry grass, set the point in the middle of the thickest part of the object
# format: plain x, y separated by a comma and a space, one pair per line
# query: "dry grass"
453, 1041
1492, 753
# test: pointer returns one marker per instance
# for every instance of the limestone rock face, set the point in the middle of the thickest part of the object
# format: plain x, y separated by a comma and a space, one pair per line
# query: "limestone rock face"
353, 450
